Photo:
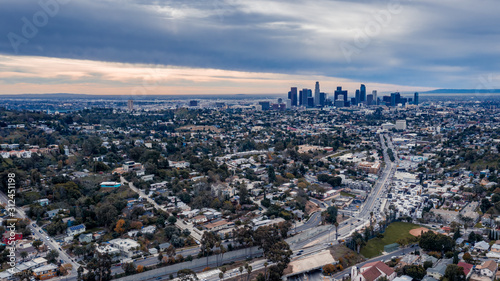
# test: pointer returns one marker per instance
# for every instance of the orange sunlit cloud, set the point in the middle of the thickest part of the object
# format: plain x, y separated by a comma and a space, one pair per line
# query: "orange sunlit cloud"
24, 74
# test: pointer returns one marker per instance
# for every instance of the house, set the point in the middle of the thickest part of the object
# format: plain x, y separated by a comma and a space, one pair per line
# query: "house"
86, 237
488, 268
164, 246
467, 268
45, 272
74, 230
199, 219
438, 271
148, 229
127, 247
53, 213
147, 177
482, 246
110, 250
372, 272
69, 221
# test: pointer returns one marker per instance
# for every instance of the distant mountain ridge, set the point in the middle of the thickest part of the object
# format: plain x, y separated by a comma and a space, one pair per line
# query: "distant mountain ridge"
463, 91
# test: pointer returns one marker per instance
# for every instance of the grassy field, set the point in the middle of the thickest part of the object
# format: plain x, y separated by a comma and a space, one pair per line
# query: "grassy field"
347, 194
394, 231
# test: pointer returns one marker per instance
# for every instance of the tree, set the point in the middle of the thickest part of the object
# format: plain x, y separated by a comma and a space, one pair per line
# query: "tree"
329, 269
467, 257
52, 256
414, 271
140, 268
172, 220
431, 241
454, 272
336, 230
457, 234
36, 244
120, 226
98, 268
249, 270
485, 205
106, 213
160, 258
187, 275
170, 251
331, 214
24, 254
129, 268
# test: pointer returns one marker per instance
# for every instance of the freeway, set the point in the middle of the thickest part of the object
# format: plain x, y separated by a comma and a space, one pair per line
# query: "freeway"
39, 234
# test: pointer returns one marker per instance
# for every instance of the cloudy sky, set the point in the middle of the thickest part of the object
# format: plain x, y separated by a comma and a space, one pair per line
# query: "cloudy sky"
252, 46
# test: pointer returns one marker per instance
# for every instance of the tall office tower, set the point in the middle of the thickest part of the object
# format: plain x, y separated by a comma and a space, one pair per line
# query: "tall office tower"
305, 95
358, 97
415, 98
369, 99
374, 93
289, 95
288, 103
316, 94
293, 96
339, 92
301, 98
395, 98
322, 98
130, 105
362, 93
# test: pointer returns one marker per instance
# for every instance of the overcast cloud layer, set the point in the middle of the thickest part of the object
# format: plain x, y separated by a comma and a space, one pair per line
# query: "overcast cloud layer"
441, 44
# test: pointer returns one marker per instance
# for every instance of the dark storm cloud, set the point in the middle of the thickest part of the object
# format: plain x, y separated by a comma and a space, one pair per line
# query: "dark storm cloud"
424, 43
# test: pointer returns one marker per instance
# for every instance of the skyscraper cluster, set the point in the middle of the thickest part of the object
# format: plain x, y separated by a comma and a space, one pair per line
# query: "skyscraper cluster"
305, 98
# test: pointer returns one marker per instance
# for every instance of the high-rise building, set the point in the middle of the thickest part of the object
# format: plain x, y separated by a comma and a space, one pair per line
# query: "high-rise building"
395, 98
415, 98
293, 96
265, 105
130, 105
288, 103
316, 94
401, 125
353, 101
340, 92
369, 99
374, 93
280, 100
310, 101
322, 99
358, 97
193, 103
362, 93
305, 95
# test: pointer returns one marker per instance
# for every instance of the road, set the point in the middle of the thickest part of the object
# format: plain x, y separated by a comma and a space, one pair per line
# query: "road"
43, 236
181, 225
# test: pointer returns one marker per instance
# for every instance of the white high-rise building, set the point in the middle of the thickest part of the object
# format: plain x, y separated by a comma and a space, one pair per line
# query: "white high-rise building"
374, 93
401, 125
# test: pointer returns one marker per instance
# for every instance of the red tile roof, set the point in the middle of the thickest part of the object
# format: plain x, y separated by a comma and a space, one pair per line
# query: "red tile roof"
371, 274
467, 267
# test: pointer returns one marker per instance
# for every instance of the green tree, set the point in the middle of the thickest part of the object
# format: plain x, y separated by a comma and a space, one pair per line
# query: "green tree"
331, 214
454, 272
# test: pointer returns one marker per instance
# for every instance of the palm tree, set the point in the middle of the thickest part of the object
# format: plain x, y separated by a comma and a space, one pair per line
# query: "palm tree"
336, 230
265, 270
241, 271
